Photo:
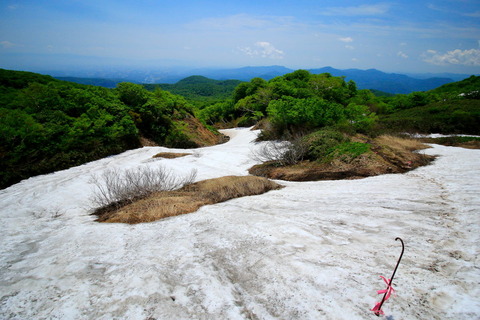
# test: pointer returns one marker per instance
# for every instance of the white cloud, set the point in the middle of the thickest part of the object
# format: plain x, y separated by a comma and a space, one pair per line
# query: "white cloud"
431, 6
7, 44
402, 54
361, 10
241, 22
263, 49
346, 39
459, 57
475, 14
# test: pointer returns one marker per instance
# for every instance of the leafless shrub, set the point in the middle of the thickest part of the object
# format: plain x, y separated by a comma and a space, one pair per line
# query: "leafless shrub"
282, 152
115, 189
270, 151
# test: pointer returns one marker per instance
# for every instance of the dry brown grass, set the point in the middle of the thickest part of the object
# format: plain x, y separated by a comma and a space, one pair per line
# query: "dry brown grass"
401, 143
399, 152
188, 199
170, 155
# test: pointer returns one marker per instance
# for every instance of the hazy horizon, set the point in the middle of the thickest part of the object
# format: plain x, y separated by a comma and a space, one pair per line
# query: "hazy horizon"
407, 36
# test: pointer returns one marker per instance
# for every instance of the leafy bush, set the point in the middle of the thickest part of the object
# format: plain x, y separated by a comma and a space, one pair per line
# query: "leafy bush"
322, 142
347, 151
326, 145
218, 112
310, 112
178, 137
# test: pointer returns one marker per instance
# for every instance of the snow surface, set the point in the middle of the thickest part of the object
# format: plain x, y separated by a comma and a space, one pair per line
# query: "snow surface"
313, 250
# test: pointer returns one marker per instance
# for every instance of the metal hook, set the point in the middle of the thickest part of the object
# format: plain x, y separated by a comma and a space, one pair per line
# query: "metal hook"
391, 278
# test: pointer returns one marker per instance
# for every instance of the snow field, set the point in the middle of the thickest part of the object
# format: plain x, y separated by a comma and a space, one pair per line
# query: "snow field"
312, 250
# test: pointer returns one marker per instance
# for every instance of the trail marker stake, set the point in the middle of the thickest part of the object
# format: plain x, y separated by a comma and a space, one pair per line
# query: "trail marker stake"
387, 292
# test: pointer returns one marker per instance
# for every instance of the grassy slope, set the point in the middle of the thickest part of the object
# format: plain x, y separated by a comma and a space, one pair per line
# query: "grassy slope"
200, 91
457, 111
448, 117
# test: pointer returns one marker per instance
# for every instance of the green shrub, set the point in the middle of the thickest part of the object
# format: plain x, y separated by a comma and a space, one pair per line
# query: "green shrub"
322, 142
326, 145
178, 137
348, 151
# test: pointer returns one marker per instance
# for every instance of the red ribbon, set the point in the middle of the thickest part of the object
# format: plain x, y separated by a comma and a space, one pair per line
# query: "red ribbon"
388, 292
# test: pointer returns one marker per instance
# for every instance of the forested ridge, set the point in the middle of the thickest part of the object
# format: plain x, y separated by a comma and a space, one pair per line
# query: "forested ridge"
48, 124
199, 90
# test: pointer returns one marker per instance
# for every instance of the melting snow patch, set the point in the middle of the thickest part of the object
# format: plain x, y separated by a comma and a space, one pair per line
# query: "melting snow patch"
313, 250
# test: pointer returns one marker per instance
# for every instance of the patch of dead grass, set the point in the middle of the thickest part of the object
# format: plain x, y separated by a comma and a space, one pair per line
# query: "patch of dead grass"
188, 199
401, 144
170, 155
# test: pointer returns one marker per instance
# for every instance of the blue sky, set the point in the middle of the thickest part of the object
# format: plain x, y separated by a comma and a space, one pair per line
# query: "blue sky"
394, 36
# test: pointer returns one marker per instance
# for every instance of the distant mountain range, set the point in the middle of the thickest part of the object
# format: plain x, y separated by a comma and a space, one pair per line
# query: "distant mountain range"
365, 79
386, 82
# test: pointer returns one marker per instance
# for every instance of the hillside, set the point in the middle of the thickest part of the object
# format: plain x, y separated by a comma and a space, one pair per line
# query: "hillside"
469, 87
453, 108
47, 124
199, 90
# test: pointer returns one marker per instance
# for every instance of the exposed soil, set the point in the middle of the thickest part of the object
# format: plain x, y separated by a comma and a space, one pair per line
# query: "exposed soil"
145, 142
200, 135
387, 155
196, 131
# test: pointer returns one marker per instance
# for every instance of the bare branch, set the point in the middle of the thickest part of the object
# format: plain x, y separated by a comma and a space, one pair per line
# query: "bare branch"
282, 152
115, 188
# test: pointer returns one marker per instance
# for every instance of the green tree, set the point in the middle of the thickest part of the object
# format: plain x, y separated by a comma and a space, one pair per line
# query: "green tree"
131, 94
309, 113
